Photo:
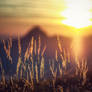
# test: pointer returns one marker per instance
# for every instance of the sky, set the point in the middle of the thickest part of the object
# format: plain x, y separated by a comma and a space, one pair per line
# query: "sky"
18, 16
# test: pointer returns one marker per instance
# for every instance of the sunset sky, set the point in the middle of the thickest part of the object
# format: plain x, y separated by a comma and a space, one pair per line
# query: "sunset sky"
54, 16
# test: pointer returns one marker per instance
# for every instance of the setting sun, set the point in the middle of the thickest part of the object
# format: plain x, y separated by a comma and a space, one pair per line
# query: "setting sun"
78, 13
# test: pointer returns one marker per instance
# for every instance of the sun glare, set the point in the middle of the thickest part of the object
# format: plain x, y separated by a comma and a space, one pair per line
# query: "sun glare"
78, 13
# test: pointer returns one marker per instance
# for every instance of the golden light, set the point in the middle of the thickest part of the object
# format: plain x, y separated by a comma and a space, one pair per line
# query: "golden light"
78, 13
77, 44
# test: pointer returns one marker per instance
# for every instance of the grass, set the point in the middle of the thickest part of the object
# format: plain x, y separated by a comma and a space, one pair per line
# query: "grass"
65, 75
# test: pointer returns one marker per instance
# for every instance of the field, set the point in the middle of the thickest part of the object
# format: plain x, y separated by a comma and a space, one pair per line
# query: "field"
37, 73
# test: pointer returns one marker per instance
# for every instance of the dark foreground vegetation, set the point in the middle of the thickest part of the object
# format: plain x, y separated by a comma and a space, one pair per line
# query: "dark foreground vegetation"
66, 84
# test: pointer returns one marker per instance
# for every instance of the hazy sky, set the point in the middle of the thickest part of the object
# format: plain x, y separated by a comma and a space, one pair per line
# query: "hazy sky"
18, 16
31, 8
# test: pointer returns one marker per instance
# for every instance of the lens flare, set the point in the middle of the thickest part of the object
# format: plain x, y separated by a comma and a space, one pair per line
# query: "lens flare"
77, 46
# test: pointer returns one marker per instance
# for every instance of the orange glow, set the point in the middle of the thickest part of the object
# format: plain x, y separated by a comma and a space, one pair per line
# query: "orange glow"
78, 15
49, 15
77, 44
